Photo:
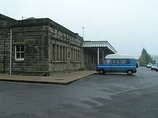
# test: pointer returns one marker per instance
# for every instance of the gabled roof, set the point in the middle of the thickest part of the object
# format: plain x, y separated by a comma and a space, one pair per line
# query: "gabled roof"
6, 18
6, 21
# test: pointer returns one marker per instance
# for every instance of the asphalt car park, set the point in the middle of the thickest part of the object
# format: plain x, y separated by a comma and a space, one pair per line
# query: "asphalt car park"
113, 95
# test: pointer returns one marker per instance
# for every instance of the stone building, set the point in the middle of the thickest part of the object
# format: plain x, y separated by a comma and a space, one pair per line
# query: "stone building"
43, 47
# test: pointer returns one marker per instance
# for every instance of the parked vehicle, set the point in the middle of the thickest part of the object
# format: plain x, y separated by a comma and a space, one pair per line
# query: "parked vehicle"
153, 67
156, 69
149, 65
118, 63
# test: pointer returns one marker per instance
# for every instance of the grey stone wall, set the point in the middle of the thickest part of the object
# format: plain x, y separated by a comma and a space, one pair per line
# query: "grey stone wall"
4, 50
48, 48
35, 41
64, 51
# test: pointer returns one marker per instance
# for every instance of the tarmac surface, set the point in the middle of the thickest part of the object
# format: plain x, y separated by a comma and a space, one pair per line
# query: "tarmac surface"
62, 78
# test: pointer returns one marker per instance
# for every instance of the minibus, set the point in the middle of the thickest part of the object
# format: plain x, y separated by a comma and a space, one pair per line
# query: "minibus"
118, 63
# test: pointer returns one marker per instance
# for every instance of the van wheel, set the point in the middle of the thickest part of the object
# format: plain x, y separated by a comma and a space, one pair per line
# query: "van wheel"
101, 72
129, 72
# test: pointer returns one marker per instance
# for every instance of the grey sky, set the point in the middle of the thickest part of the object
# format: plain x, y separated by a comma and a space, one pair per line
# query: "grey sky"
129, 25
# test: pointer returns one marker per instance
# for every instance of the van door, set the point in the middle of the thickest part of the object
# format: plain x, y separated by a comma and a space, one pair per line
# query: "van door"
107, 65
125, 64
115, 66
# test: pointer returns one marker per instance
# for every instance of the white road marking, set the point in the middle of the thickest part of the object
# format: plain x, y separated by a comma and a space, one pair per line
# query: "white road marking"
139, 78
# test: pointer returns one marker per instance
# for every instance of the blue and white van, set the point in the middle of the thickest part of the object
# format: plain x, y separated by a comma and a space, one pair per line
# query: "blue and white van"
118, 63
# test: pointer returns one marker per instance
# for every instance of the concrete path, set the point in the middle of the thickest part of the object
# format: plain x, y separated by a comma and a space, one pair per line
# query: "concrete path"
63, 78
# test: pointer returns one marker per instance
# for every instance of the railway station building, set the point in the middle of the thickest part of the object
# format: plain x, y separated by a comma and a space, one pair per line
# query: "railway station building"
43, 47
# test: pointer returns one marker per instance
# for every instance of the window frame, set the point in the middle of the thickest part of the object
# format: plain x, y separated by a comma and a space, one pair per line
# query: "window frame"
20, 52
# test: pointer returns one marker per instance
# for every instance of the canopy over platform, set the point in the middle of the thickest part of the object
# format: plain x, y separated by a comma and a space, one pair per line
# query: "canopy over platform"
103, 45
103, 48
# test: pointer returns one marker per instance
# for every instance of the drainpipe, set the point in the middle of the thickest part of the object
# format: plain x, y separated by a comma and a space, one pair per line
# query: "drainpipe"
4, 55
10, 51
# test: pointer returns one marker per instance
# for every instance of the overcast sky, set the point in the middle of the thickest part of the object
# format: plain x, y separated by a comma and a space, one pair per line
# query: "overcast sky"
128, 25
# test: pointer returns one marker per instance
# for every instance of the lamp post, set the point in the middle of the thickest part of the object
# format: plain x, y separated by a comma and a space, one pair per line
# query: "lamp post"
82, 52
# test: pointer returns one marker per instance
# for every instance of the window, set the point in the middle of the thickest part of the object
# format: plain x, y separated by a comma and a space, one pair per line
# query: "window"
54, 52
59, 53
116, 61
125, 61
19, 52
107, 61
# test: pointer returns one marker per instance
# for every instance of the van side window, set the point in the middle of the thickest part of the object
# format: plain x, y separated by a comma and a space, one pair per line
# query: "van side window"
116, 61
107, 61
125, 61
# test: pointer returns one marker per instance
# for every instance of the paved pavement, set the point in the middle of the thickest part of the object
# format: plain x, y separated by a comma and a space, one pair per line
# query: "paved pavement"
63, 78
